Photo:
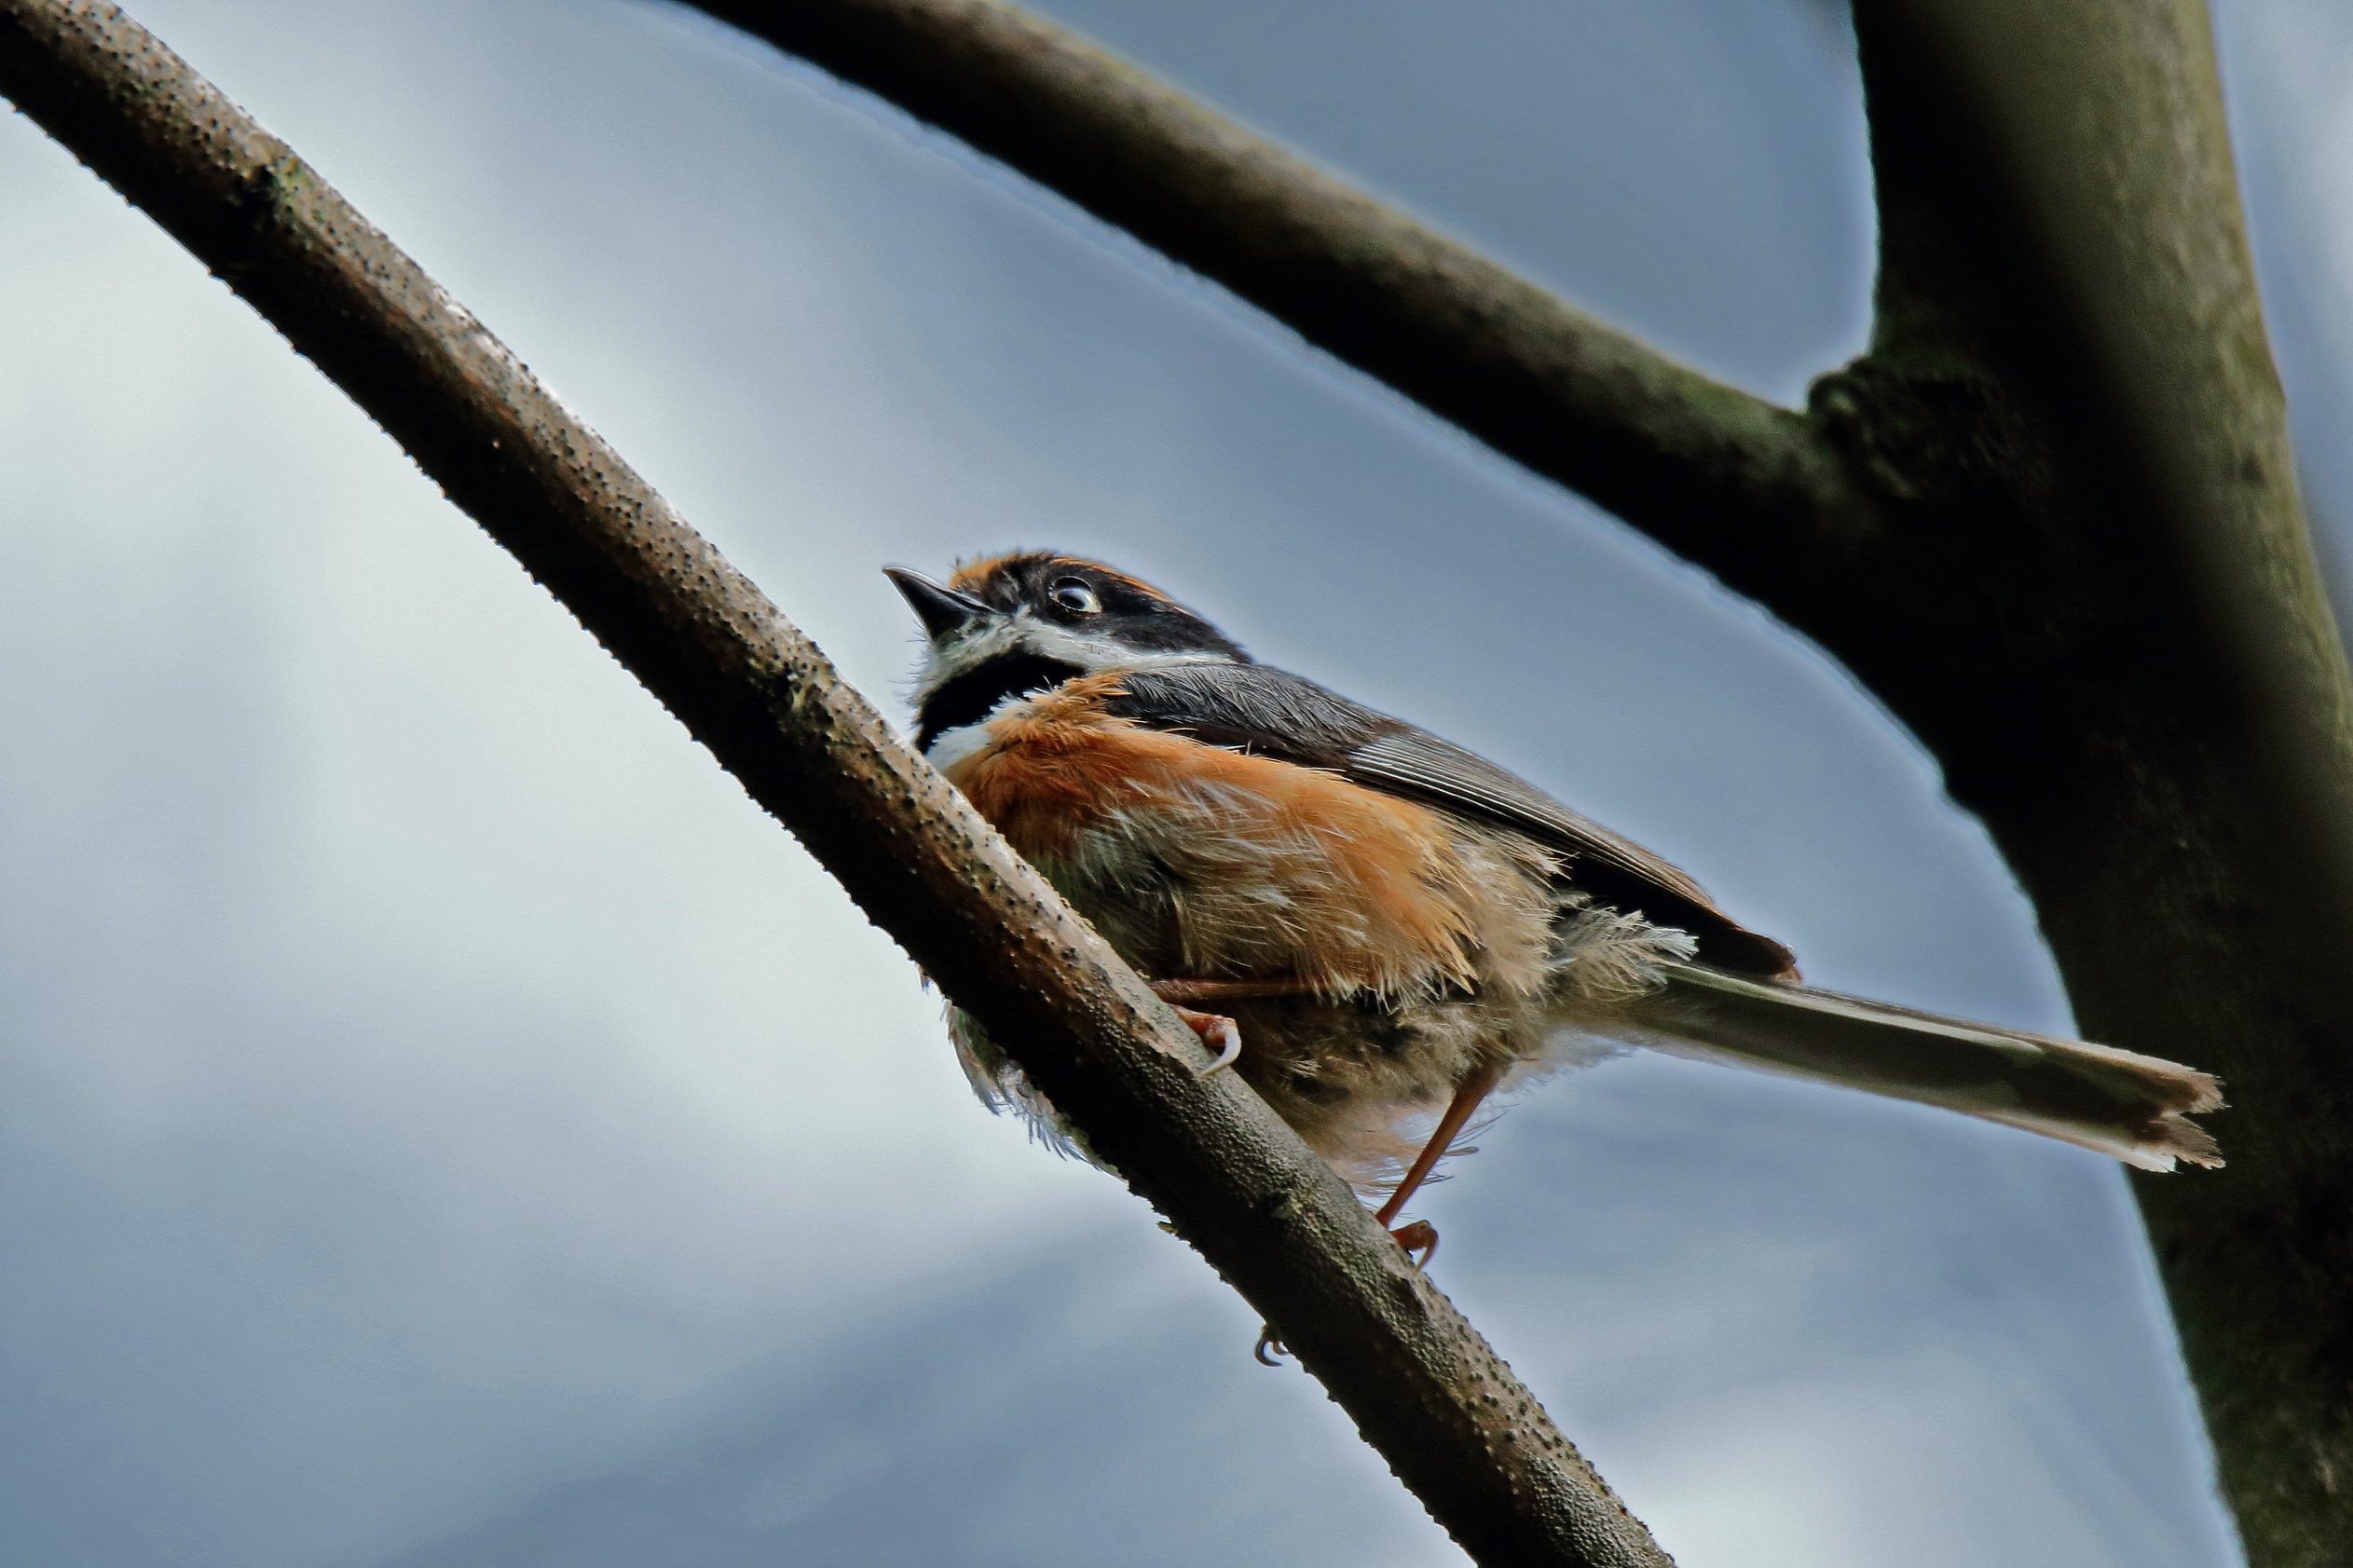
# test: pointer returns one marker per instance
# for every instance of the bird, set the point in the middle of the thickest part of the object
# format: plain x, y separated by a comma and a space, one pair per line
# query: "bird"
1380, 931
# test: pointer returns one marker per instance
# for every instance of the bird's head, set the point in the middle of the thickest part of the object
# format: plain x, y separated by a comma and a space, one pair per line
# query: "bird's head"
1013, 625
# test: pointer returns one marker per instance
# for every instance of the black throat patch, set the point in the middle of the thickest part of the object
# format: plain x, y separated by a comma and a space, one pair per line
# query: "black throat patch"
969, 698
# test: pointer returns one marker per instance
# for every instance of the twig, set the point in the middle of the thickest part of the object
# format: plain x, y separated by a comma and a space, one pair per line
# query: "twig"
1726, 480
1423, 1387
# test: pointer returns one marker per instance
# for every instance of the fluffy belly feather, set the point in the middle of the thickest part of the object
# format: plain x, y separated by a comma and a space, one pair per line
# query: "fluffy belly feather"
1432, 945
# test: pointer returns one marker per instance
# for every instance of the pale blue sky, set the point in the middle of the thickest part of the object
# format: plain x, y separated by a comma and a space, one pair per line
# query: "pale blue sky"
442, 1123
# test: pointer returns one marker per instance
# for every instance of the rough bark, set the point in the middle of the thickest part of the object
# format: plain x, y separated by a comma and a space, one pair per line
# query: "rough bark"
2096, 603
1236, 1183
2050, 520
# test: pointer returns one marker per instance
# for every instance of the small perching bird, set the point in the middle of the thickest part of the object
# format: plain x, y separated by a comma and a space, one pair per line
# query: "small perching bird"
1378, 930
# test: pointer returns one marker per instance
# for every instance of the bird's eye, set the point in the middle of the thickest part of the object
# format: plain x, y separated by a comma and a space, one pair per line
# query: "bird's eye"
1073, 594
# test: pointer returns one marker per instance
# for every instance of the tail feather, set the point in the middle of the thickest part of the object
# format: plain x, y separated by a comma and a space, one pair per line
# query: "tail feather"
2117, 1102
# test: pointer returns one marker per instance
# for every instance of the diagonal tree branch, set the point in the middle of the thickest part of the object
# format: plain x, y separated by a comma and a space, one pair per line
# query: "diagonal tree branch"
1727, 480
1423, 1387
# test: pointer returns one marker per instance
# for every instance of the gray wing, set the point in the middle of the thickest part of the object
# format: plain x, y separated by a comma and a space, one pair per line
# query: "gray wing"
1273, 713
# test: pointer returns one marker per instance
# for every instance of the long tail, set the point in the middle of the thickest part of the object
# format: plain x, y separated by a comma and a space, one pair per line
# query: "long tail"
2133, 1107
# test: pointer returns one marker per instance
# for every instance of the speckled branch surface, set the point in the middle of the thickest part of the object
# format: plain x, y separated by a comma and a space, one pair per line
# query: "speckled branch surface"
1423, 1387
1727, 480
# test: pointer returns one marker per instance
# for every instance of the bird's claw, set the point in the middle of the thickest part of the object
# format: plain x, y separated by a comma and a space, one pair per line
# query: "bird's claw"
1268, 1343
1218, 1029
1420, 1236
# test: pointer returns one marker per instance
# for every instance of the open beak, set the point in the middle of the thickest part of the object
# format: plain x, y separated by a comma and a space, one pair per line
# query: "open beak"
942, 611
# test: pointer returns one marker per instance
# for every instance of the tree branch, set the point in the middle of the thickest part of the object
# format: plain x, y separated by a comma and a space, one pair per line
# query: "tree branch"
1725, 479
2098, 605
1423, 1387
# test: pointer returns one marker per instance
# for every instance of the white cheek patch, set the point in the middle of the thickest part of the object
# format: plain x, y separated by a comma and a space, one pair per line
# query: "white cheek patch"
1023, 632
1072, 647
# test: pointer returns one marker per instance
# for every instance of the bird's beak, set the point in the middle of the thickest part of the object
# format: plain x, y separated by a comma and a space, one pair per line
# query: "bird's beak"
942, 611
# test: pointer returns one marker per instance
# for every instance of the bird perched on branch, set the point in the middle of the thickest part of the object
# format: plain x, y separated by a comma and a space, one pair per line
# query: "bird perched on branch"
1378, 930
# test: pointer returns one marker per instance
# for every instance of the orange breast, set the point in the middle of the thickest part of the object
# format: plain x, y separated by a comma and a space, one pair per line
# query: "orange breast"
1198, 861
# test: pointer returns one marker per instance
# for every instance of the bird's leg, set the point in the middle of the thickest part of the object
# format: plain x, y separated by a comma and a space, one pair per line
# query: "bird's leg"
1176, 992
1419, 1237
1215, 1029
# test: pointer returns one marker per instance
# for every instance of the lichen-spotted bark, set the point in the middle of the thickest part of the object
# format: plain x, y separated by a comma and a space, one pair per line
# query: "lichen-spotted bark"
1421, 1385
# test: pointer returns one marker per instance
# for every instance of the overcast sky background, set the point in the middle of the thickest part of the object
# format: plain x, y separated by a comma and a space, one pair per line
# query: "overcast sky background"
442, 1123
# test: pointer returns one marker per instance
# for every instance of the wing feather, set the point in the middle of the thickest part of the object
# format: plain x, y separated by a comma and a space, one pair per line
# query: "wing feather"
1273, 713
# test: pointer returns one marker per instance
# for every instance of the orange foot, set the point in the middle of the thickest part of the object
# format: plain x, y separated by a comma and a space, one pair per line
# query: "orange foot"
1418, 1238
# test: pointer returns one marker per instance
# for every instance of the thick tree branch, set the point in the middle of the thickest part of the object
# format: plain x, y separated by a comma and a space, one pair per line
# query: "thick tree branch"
1725, 479
1422, 1385
2097, 605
